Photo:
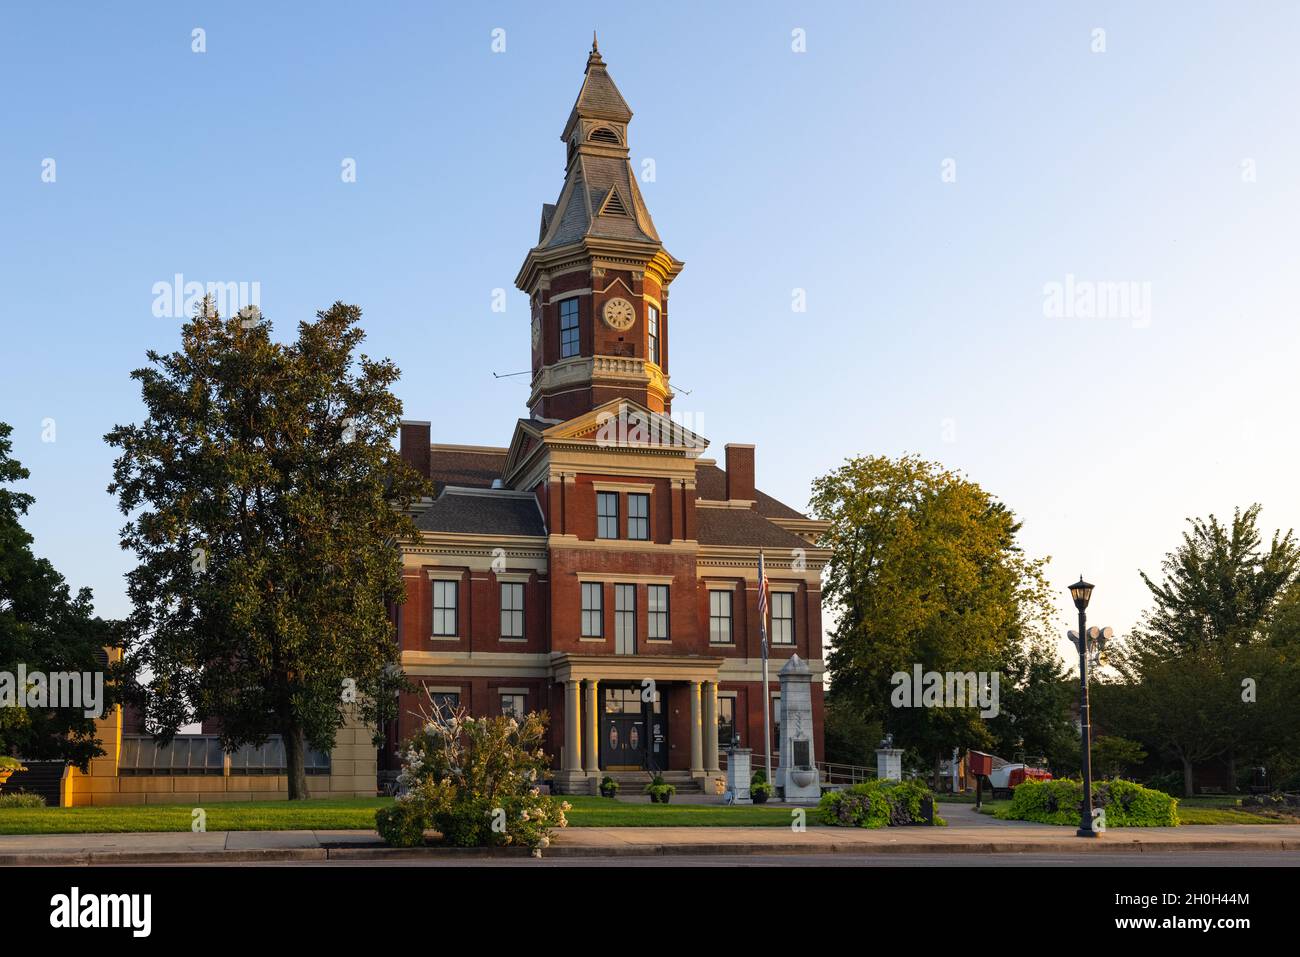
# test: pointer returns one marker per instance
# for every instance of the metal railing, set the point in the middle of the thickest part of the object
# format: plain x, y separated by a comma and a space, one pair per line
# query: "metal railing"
832, 774
844, 774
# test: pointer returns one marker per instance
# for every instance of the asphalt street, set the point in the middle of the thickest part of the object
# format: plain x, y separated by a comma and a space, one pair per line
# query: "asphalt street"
1161, 859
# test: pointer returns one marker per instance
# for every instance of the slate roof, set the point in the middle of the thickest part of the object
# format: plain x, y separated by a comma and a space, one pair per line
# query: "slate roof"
711, 484
591, 177
589, 182
599, 97
473, 468
743, 527
482, 512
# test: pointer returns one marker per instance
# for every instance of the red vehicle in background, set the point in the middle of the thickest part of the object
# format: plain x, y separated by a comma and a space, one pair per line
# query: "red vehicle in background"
1001, 777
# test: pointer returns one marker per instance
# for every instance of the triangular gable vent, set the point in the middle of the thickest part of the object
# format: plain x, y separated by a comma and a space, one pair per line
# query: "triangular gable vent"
613, 205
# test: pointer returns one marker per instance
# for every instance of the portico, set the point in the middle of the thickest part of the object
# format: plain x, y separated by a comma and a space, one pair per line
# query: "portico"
619, 709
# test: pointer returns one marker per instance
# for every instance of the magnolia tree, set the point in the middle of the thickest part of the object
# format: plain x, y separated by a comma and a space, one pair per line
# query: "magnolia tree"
475, 781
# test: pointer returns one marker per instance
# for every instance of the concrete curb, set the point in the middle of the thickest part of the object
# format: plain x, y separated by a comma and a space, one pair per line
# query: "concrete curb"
382, 853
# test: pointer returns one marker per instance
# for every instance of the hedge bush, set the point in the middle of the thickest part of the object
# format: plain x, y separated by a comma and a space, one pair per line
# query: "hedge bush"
876, 804
1060, 802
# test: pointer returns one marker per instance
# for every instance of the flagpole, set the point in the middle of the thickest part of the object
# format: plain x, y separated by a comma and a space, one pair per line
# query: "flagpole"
767, 694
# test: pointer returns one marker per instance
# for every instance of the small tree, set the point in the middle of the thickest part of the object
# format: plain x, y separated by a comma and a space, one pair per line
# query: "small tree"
265, 502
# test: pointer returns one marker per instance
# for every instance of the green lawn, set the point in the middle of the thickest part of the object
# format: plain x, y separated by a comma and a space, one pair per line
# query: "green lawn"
1202, 809
356, 814
359, 814
603, 812
334, 814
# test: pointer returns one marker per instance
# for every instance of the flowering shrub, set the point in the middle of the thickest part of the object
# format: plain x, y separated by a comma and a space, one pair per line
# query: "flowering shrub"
474, 780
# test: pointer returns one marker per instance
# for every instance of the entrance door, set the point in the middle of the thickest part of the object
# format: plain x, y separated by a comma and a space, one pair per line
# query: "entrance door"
624, 741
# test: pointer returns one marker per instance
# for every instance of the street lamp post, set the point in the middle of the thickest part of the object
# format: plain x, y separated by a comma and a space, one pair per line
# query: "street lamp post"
1081, 592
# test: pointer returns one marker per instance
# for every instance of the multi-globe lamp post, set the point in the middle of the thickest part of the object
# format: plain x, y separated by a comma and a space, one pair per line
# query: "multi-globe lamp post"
1089, 642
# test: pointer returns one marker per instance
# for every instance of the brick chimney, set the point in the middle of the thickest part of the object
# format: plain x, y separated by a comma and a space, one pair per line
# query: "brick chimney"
740, 472
414, 441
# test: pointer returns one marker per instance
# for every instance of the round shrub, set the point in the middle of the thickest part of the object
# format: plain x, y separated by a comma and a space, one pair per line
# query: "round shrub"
876, 804
401, 824
1061, 801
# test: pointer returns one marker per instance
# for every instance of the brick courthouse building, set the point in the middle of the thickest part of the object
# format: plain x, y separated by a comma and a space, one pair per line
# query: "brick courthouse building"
599, 567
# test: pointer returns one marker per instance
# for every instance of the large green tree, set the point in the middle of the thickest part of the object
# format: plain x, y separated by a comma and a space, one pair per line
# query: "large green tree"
1206, 673
47, 629
264, 502
1220, 586
925, 570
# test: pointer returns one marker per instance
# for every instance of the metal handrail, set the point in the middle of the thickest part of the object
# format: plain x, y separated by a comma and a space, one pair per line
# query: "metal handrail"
830, 772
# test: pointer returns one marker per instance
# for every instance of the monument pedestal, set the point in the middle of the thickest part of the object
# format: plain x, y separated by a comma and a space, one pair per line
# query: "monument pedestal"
889, 764
797, 778
738, 774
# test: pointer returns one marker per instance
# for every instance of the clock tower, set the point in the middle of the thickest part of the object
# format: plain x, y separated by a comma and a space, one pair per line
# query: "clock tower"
597, 280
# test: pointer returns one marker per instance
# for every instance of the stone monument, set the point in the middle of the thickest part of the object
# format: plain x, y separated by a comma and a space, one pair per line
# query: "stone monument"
738, 764
797, 777
889, 761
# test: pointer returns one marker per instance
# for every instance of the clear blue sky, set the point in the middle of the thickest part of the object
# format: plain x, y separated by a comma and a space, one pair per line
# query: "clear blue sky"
925, 328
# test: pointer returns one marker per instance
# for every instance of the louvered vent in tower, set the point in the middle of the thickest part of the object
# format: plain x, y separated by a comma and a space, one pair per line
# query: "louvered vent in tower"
614, 205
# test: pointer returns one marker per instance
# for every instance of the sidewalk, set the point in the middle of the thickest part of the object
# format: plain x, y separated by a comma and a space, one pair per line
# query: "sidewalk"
275, 846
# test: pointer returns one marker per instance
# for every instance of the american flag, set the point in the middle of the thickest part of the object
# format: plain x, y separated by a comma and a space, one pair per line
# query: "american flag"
762, 601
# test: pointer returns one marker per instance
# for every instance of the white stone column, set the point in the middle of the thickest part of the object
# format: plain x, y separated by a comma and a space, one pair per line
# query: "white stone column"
572, 727
593, 739
697, 745
711, 727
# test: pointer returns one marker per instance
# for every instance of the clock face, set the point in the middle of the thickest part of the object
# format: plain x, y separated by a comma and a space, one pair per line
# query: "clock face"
619, 315
537, 329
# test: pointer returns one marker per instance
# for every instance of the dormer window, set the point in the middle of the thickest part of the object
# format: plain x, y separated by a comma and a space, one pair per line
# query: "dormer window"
603, 134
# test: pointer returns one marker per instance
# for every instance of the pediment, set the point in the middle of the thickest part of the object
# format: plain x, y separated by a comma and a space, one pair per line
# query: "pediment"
622, 423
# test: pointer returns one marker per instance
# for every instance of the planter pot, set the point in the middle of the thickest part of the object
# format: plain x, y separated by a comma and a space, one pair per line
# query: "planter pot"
665, 798
608, 792
760, 797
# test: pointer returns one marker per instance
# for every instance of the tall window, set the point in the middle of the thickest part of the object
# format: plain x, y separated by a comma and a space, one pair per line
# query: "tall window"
720, 617
512, 609
726, 721
512, 705
444, 702
444, 609
652, 324
593, 610
568, 328
607, 515
657, 605
782, 618
624, 619
638, 516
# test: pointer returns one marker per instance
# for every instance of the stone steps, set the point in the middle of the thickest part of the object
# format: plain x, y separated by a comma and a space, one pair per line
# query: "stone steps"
633, 782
